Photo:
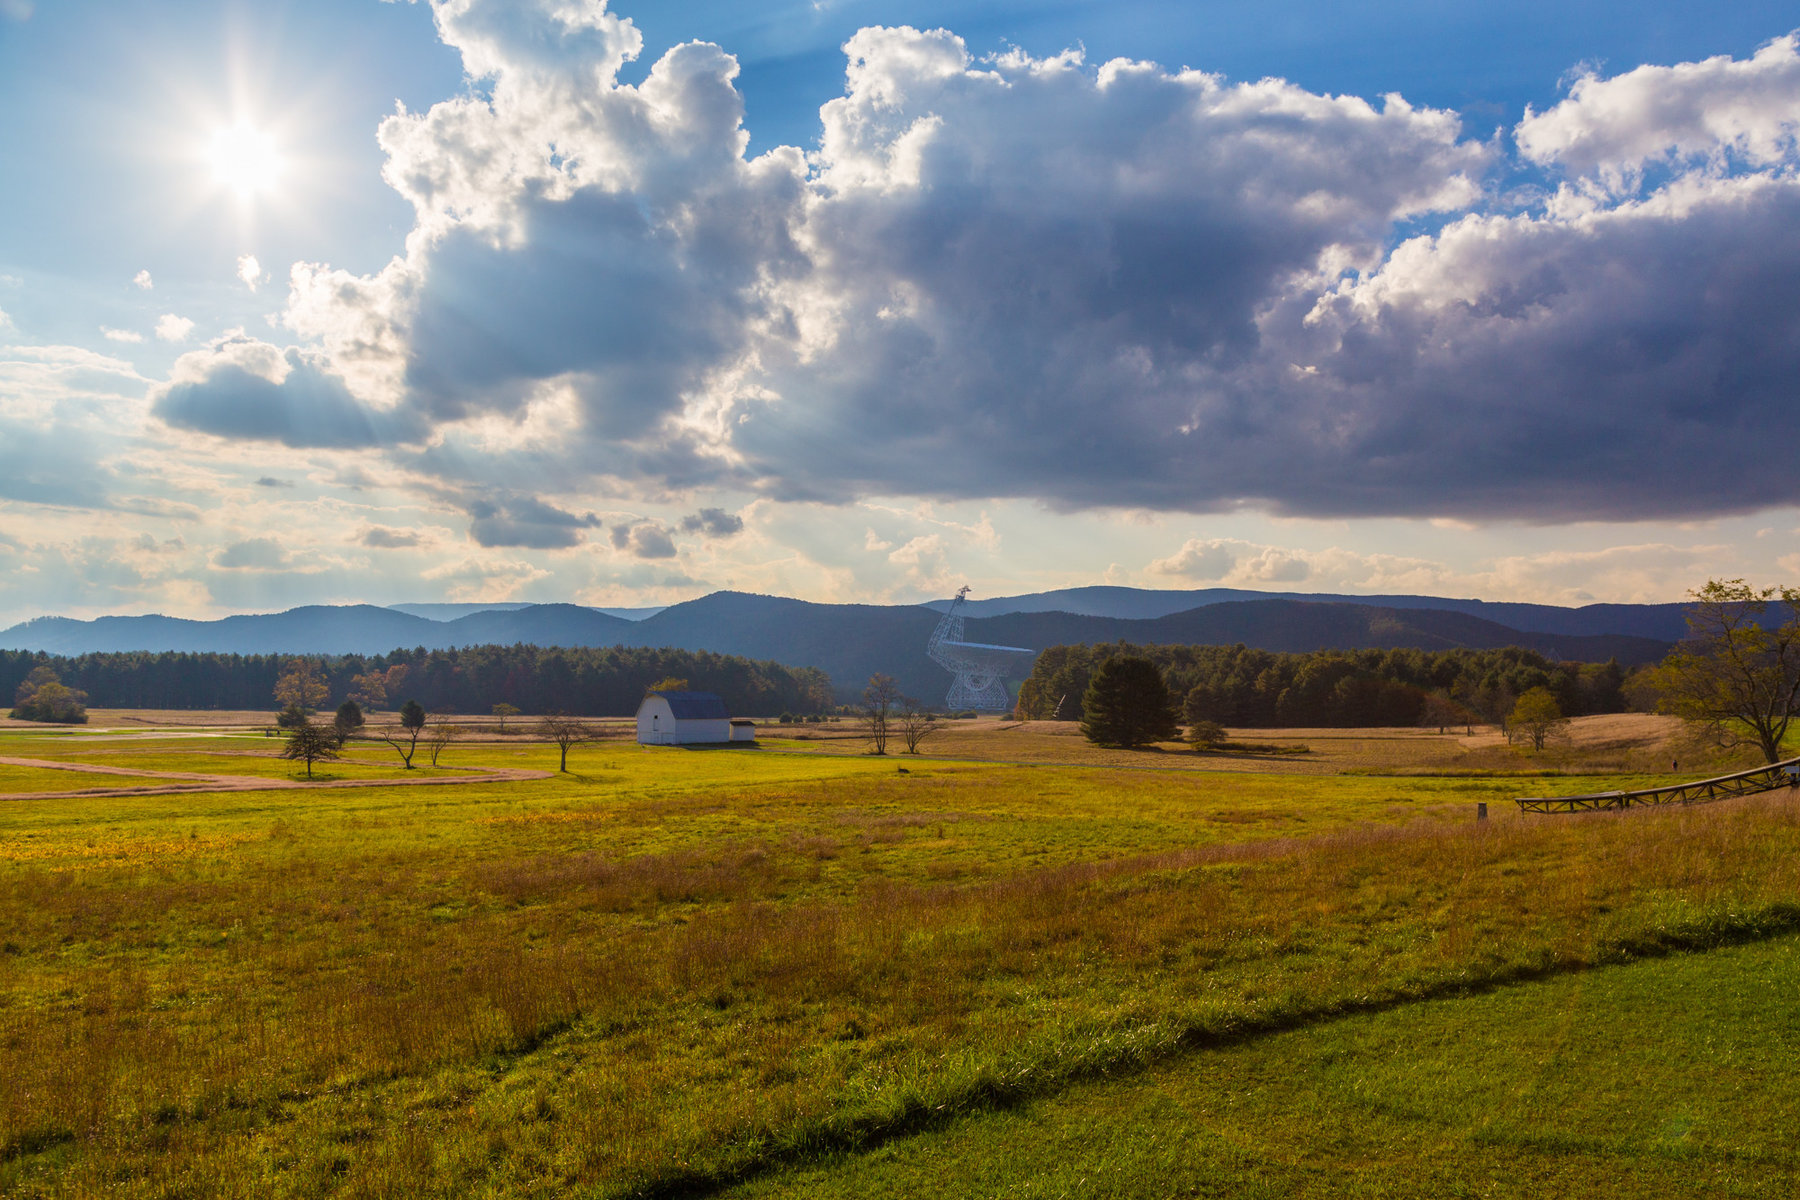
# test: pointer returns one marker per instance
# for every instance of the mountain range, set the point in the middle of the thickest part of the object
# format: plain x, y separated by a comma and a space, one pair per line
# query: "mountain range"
853, 641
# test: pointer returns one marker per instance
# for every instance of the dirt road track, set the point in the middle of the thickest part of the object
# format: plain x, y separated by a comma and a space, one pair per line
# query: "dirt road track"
191, 781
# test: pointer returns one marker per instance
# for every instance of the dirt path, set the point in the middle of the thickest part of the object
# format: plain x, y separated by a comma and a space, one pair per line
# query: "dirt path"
191, 781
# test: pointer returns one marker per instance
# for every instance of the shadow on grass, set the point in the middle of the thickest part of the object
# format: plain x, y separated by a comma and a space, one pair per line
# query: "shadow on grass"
995, 1089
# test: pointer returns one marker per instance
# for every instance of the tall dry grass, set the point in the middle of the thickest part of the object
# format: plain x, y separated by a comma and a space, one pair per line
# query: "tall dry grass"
684, 1019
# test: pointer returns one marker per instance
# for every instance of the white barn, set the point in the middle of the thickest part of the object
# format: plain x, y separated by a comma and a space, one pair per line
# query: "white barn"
689, 719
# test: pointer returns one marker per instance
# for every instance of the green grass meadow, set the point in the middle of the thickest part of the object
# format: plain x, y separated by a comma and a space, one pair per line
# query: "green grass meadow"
683, 973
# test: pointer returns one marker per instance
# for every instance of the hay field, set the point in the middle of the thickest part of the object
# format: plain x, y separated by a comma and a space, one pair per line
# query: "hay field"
679, 972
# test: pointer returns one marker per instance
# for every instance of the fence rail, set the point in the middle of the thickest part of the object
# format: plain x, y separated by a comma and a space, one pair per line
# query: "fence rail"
1701, 791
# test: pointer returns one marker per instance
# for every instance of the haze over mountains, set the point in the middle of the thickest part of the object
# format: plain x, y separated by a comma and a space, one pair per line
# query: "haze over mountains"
853, 641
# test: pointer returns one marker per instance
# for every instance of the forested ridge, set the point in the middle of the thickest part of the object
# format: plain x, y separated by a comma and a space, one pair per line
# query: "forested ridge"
582, 681
1248, 688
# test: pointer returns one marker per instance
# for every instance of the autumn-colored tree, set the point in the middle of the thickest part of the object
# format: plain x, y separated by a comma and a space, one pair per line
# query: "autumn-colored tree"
372, 688
302, 686
668, 683
1443, 710
1738, 673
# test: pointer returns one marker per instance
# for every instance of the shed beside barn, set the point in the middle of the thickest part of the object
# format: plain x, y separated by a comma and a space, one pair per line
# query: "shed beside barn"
683, 719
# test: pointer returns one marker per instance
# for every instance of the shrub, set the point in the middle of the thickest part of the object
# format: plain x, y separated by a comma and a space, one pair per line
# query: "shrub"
1206, 735
43, 697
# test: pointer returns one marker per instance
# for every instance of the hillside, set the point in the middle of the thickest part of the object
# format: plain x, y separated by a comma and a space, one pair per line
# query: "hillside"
1659, 622
850, 642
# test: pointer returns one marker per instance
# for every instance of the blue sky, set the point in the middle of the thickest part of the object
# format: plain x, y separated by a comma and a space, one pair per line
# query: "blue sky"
1050, 294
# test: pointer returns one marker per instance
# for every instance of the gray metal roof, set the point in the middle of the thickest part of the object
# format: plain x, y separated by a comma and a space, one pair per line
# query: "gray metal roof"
695, 706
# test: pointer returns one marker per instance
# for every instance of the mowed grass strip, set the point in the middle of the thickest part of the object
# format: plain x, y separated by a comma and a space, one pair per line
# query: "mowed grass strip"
49, 779
1655, 1079
671, 969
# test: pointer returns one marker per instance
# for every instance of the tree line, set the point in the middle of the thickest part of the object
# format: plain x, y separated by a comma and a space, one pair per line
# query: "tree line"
1259, 689
581, 681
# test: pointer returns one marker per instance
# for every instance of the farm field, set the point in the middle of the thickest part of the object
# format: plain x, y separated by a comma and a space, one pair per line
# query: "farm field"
679, 972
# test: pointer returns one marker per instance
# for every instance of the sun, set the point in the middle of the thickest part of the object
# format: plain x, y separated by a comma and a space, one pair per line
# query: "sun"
245, 160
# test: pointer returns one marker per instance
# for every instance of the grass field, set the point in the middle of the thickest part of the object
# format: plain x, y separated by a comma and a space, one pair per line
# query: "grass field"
675, 972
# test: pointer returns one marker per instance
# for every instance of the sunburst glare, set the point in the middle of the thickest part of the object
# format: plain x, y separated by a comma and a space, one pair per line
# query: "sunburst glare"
245, 160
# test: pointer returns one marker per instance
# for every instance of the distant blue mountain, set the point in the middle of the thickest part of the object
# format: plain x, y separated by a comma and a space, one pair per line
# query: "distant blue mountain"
853, 641
1662, 622
450, 612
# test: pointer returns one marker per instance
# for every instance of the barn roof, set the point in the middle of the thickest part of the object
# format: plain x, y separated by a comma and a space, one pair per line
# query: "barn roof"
695, 706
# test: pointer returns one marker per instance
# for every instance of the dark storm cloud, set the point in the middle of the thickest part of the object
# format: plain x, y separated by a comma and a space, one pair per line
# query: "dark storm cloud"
713, 522
243, 388
525, 522
643, 539
382, 538
257, 554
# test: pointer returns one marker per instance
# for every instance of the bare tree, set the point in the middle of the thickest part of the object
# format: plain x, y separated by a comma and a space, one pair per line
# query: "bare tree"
309, 744
441, 737
878, 703
565, 731
915, 723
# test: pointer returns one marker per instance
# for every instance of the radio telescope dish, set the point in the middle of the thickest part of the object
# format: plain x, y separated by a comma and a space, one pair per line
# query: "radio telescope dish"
980, 670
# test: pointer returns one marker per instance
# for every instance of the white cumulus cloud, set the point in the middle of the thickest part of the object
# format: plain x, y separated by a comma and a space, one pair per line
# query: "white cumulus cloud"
171, 328
1090, 286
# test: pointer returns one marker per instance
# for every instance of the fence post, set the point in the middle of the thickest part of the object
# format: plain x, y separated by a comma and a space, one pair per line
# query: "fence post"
1481, 811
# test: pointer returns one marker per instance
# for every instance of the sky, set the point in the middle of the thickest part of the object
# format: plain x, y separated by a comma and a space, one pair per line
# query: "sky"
864, 300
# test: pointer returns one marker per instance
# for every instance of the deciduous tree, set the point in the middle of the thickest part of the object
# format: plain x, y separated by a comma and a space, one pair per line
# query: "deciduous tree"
1127, 704
1537, 718
565, 731
504, 710
406, 741
1738, 673
915, 723
302, 686
1443, 711
878, 701
440, 738
310, 744
43, 697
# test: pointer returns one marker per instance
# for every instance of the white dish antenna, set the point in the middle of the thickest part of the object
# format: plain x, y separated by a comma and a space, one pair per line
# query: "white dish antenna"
980, 670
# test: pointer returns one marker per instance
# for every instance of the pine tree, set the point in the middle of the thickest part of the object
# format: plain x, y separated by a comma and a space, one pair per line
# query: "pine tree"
1127, 704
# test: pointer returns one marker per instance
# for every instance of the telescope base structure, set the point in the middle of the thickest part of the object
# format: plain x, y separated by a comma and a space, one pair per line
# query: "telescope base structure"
983, 693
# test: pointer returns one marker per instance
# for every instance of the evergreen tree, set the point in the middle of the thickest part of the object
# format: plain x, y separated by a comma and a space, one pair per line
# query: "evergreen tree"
348, 722
1127, 704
